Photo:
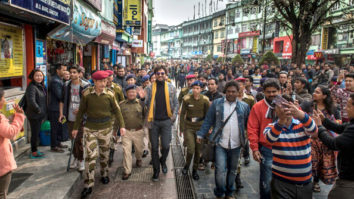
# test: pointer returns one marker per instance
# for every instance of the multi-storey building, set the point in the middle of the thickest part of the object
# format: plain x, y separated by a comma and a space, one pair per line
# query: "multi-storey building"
197, 37
157, 30
219, 33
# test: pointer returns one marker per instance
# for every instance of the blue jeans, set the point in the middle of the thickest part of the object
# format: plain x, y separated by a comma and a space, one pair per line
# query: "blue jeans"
266, 172
226, 162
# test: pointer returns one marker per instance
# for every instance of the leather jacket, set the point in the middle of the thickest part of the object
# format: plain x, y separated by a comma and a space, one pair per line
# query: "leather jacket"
55, 93
36, 101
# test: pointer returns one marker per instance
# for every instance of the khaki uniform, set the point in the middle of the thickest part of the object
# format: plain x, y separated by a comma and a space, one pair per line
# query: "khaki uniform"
100, 110
193, 113
118, 94
133, 113
183, 92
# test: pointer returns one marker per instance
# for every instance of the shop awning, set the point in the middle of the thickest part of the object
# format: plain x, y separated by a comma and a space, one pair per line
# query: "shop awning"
84, 27
108, 34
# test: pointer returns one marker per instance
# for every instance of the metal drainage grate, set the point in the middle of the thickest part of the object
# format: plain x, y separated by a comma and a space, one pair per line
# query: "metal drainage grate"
185, 188
139, 175
17, 179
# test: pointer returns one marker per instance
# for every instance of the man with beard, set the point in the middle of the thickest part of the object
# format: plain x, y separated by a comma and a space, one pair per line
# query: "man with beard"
261, 115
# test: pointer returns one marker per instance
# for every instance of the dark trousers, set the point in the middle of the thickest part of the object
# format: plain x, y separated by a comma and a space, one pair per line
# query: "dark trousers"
342, 189
4, 184
35, 125
56, 128
284, 190
265, 167
163, 129
78, 150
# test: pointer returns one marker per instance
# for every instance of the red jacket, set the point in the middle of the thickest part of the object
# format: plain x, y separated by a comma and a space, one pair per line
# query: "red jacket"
257, 122
7, 132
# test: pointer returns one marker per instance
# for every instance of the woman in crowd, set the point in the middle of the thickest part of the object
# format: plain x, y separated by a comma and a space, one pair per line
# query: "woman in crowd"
7, 132
323, 159
36, 108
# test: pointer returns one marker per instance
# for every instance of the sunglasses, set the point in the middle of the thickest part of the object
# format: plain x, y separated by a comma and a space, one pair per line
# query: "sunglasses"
158, 73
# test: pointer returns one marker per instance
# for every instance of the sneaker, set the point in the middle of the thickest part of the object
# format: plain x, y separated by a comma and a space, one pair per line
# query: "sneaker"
74, 164
35, 155
40, 153
81, 165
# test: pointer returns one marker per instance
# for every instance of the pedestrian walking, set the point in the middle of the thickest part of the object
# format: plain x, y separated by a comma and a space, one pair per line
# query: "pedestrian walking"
229, 137
69, 107
8, 131
194, 109
262, 114
133, 112
162, 106
100, 106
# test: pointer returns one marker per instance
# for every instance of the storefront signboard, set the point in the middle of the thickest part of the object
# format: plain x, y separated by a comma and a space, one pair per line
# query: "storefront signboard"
132, 13
96, 4
11, 51
137, 43
57, 10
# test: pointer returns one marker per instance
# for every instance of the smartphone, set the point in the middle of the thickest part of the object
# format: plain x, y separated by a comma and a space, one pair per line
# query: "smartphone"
279, 100
63, 120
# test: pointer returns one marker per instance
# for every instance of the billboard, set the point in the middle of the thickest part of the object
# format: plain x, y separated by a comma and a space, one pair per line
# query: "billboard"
132, 13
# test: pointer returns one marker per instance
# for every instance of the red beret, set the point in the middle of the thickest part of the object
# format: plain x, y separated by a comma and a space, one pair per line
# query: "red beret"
109, 72
240, 79
191, 76
99, 75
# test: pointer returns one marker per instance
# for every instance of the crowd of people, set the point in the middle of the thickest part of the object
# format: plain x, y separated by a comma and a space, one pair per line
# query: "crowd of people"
295, 121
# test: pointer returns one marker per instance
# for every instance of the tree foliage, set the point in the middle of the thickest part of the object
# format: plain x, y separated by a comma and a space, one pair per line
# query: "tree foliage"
209, 58
237, 59
269, 58
220, 60
303, 18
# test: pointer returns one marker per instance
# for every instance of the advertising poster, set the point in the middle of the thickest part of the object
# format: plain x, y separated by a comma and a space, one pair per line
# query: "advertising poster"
11, 51
132, 13
41, 58
9, 111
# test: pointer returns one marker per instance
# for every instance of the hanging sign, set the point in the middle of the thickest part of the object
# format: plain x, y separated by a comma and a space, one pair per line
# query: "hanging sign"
132, 13
57, 10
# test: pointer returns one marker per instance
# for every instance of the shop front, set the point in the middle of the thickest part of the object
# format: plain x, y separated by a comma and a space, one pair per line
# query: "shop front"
67, 44
283, 48
248, 45
105, 39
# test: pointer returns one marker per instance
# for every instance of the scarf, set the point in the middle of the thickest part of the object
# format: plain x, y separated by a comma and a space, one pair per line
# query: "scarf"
270, 114
152, 102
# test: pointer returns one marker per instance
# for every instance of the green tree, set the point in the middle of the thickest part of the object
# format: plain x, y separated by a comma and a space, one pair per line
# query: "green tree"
269, 58
237, 59
220, 60
209, 58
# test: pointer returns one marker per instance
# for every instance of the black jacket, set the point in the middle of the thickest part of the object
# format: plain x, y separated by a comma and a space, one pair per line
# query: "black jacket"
120, 80
67, 95
36, 101
344, 143
55, 93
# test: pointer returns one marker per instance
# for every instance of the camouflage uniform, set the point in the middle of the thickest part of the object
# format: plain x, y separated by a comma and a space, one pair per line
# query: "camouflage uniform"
101, 110
118, 93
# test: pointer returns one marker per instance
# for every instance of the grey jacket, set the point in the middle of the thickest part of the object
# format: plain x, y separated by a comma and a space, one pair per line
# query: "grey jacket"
173, 100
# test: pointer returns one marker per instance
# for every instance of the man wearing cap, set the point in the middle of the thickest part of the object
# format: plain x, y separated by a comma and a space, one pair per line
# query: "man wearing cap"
194, 109
133, 112
119, 96
101, 108
184, 91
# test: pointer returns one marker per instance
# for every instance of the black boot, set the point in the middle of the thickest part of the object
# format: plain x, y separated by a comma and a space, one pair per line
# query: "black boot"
86, 192
195, 175
111, 155
238, 182
105, 180
155, 176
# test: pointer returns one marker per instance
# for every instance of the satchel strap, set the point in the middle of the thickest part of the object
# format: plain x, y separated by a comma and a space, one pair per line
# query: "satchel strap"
223, 124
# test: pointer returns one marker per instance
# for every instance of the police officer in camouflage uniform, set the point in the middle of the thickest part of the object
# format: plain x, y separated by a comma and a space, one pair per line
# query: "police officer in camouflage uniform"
194, 109
101, 108
184, 91
118, 93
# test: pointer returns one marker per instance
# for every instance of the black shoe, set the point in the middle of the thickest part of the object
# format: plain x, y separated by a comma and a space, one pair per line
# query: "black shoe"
195, 175
145, 153
238, 182
164, 167
247, 160
86, 192
105, 180
111, 155
185, 171
155, 177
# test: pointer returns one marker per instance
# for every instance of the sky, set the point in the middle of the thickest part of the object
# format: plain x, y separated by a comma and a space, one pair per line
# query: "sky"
174, 12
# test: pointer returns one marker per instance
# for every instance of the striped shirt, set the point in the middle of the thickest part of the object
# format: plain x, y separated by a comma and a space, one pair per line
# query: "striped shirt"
257, 80
291, 148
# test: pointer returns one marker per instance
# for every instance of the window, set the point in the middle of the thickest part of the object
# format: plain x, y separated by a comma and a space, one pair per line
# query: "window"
244, 28
230, 31
222, 34
216, 35
219, 48
237, 29
351, 2
215, 23
222, 21
237, 14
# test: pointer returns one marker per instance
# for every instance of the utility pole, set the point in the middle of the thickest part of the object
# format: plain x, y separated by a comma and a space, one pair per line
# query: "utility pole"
265, 2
